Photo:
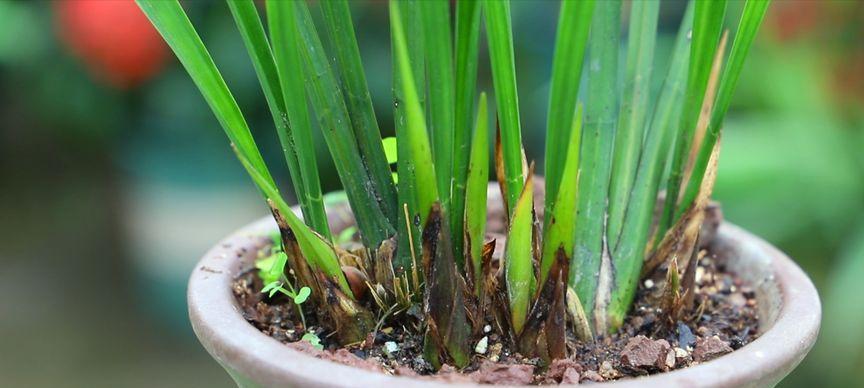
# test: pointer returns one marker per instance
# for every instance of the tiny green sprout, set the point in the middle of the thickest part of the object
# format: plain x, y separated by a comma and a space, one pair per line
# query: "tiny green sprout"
313, 339
271, 268
346, 235
272, 288
302, 295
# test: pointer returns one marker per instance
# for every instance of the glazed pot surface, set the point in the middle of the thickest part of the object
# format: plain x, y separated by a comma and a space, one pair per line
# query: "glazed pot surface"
789, 317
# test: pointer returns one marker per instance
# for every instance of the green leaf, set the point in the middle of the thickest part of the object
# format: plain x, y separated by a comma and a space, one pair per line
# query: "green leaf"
560, 232
368, 203
409, 214
751, 19
478, 182
296, 135
346, 235
318, 252
707, 25
271, 286
425, 181
313, 339
249, 24
439, 69
302, 295
467, 39
519, 257
172, 23
634, 111
391, 150
271, 268
499, 33
628, 254
574, 20
601, 109
347, 62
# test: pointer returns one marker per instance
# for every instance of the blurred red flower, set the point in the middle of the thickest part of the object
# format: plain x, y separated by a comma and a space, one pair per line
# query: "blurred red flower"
113, 39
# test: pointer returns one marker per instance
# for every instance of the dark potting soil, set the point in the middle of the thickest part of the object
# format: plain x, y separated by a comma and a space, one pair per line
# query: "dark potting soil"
724, 318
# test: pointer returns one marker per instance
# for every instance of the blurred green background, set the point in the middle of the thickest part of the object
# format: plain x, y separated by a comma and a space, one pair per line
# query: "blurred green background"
115, 178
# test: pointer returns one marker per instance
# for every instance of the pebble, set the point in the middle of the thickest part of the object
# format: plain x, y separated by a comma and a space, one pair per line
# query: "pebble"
482, 346
710, 348
641, 352
571, 376
495, 353
487, 328
391, 347
685, 336
607, 371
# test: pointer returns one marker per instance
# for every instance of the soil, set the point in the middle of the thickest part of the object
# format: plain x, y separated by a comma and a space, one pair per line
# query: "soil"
724, 318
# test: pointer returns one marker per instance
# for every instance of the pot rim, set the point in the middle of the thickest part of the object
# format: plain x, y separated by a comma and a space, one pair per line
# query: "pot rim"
244, 350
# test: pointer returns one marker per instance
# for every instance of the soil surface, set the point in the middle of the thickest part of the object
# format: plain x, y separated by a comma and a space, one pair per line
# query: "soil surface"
724, 318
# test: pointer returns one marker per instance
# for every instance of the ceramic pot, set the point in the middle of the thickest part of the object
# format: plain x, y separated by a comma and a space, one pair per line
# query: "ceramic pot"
789, 317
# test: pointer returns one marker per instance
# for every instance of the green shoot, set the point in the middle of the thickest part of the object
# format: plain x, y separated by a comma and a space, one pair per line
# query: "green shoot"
467, 39
313, 339
751, 19
340, 31
707, 23
439, 68
519, 257
476, 188
628, 253
574, 21
499, 33
426, 184
367, 203
634, 111
590, 273
408, 227
560, 231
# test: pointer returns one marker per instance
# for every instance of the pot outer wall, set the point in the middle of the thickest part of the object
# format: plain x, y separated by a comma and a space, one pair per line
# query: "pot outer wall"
789, 318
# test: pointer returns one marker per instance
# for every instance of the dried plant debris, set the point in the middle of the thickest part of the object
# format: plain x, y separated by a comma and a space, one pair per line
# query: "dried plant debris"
723, 319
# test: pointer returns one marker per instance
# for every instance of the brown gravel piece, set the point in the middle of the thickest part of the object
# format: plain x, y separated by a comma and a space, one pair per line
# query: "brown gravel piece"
710, 348
560, 368
503, 374
642, 353
571, 376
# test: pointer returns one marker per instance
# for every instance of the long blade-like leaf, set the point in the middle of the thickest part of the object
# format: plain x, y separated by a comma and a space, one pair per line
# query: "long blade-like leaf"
751, 19
707, 25
634, 110
601, 109
425, 182
467, 39
409, 227
340, 31
628, 254
499, 33
475, 203
366, 201
171, 21
439, 68
295, 133
249, 24
574, 23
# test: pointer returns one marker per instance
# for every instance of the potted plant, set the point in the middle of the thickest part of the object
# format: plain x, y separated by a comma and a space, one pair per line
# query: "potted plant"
612, 266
